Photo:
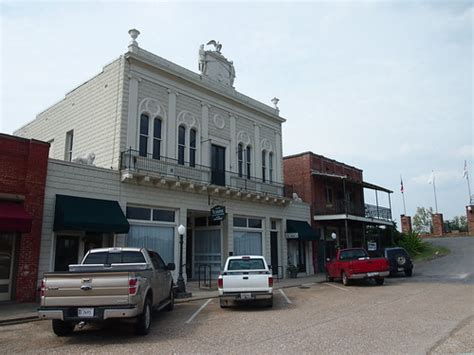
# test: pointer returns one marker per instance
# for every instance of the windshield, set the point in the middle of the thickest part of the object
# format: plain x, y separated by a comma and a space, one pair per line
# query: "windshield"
353, 254
246, 264
105, 257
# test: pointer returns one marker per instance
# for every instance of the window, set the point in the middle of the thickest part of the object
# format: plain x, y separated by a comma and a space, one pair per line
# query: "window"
158, 263
329, 197
143, 143
246, 264
240, 222
255, 223
264, 167
249, 162
69, 145
163, 215
270, 167
153, 237
181, 144
192, 148
138, 213
156, 138
240, 159
105, 257
247, 241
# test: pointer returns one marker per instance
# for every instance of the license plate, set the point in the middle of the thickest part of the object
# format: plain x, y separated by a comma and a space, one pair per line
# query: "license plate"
400, 269
85, 312
371, 274
245, 296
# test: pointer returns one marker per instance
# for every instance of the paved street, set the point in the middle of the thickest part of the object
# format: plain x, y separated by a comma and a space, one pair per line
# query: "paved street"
431, 312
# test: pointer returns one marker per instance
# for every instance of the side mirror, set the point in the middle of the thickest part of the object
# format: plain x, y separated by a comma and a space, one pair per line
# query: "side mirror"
328, 259
171, 266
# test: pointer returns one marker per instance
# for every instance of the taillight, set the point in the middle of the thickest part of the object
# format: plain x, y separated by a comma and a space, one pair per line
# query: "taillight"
133, 286
270, 281
43, 288
220, 282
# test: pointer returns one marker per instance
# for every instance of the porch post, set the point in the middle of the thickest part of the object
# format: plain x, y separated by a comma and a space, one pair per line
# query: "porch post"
349, 244
377, 203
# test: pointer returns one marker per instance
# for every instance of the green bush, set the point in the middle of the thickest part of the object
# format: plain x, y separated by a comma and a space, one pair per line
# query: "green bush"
412, 242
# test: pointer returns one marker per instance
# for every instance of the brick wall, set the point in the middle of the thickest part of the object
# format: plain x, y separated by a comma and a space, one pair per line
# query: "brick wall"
470, 219
24, 168
437, 219
406, 224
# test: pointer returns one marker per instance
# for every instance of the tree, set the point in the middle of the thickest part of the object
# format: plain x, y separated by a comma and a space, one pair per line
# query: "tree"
458, 223
422, 220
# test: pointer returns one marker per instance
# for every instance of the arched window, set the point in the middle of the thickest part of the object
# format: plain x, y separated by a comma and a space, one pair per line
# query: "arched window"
144, 127
270, 167
156, 138
181, 144
264, 167
240, 159
249, 161
192, 148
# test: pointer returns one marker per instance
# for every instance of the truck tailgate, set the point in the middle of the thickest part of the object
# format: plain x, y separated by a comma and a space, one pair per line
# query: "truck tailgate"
245, 281
86, 289
369, 265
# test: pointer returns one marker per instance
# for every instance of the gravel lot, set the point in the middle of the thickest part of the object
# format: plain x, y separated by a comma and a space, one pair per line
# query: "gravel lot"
431, 312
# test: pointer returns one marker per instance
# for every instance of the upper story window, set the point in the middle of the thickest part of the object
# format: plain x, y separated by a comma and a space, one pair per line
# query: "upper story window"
144, 131
69, 145
329, 195
192, 147
270, 167
264, 165
240, 159
248, 157
181, 144
157, 138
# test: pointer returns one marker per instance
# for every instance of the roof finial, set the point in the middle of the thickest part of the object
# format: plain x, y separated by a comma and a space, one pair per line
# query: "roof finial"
275, 102
134, 33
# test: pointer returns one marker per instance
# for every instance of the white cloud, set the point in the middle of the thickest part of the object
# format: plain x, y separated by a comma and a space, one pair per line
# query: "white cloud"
466, 151
443, 177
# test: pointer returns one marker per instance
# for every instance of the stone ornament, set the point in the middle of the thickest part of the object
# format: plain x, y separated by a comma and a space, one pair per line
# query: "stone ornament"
134, 33
266, 145
188, 118
152, 107
85, 159
243, 137
219, 121
216, 45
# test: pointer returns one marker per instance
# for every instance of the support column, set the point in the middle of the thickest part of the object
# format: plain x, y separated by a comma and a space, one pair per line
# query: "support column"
206, 144
182, 219
132, 118
470, 219
284, 247
171, 137
437, 219
406, 224
278, 158
257, 171
266, 252
233, 144
229, 230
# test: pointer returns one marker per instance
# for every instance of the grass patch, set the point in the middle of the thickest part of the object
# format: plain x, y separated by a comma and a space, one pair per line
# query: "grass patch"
430, 251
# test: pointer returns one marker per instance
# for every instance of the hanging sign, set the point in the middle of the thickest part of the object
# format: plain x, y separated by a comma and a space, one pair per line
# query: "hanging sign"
371, 246
217, 213
291, 235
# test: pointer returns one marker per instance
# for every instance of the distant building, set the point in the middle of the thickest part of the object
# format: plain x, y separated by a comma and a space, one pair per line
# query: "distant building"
166, 145
23, 164
335, 192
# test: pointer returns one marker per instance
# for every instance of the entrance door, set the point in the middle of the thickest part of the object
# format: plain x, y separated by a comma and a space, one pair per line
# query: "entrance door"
7, 243
274, 252
207, 251
301, 256
67, 252
218, 165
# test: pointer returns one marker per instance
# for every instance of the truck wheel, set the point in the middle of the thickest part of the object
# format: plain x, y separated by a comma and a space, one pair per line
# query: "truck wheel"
170, 305
142, 326
269, 303
62, 328
345, 279
408, 272
223, 304
379, 281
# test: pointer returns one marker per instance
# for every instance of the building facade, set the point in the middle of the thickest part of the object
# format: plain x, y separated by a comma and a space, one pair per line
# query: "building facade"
168, 146
22, 184
336, 194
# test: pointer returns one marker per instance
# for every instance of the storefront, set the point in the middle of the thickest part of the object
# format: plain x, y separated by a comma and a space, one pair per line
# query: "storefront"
299, 236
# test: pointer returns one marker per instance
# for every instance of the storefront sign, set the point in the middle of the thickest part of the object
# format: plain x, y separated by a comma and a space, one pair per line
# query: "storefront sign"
371, 246
217, 213
291, 235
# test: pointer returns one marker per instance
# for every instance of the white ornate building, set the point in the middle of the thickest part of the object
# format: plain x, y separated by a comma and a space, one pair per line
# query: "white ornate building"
168, 145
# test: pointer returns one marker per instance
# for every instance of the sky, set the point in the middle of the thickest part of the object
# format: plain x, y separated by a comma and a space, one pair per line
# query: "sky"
385, 86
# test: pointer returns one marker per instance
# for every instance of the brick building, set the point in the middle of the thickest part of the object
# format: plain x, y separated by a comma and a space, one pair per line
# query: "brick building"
23, 170
336, 193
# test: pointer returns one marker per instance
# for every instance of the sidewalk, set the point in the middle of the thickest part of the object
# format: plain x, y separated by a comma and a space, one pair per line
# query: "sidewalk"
11, 312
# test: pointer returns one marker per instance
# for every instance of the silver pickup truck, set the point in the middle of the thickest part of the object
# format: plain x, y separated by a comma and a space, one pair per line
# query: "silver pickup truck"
122, 283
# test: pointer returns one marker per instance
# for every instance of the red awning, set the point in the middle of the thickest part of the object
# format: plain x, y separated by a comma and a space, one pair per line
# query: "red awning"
14, 218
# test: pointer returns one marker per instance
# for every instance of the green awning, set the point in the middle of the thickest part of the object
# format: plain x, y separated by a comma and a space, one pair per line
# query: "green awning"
89, 215
302, 228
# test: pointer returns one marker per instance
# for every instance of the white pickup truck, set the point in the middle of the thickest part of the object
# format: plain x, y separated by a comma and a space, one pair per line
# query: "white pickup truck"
245, 279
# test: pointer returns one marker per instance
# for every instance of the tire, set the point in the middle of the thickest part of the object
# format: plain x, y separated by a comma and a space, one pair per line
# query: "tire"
408, 272
170, 305
269, 303
62, 328
223, 304
401, 260
379, 281
142, 326
345, 279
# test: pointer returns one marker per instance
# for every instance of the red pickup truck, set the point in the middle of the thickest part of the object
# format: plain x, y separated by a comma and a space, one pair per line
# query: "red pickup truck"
355, 263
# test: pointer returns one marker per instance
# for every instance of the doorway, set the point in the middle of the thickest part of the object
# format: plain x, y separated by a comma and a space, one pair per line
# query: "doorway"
218, 165
7, 249
207, 251
274, 252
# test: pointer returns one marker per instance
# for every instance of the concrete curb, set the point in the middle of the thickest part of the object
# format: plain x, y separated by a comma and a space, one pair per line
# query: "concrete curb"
18, 320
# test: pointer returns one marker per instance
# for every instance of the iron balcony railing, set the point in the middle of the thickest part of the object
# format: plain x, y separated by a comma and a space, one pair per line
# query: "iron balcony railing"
378, 212
367, 210
132, 161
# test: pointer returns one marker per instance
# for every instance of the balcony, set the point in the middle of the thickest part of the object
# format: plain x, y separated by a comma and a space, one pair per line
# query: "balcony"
378, 212
367, 210
167, 171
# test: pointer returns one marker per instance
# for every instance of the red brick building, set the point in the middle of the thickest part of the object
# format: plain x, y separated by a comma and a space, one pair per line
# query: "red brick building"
23, 167
335, 192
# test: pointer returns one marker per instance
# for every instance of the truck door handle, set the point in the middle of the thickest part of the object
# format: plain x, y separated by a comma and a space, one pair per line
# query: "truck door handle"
245, 277
86, 287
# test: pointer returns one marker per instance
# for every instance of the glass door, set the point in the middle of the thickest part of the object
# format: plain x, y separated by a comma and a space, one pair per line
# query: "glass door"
207, 251
218, 165
7, 245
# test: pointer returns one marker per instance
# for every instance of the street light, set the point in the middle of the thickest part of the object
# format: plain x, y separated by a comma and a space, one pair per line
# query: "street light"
181, 285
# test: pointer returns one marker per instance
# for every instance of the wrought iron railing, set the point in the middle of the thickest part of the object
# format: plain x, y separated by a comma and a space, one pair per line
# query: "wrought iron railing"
339, 207
132, 161
378, 212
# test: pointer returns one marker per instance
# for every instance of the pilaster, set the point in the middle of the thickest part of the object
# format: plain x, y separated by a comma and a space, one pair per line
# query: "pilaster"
132, 118
257, 171
206, 143
171, 141
233, 144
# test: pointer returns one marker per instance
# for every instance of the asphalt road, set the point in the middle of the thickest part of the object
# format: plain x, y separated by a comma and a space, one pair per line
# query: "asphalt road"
432, 312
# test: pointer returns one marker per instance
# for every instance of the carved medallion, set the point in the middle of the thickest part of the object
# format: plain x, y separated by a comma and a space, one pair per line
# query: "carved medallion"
219, 121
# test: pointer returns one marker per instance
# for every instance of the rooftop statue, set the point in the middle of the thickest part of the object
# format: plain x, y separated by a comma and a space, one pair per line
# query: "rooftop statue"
216, 45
